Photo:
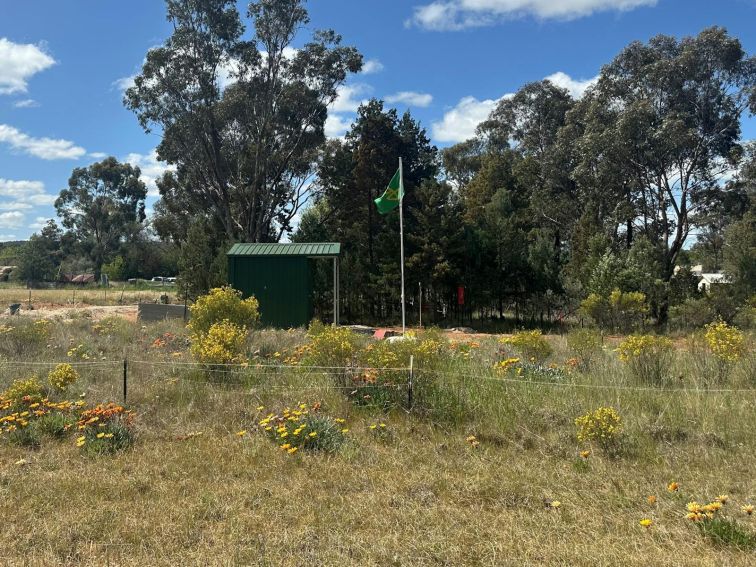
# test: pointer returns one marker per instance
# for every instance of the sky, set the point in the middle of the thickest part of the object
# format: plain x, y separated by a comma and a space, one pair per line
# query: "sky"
64, 65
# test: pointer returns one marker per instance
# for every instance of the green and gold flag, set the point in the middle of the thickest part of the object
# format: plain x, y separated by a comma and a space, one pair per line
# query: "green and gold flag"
392, 196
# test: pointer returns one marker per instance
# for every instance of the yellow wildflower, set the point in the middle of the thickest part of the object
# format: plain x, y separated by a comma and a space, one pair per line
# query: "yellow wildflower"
646, 522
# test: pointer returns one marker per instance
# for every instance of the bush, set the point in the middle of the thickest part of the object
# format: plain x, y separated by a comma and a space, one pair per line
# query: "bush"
106, 428
726, 343
692, 314
62, 376
304, 429
29, 390
602, 426
531, 344
620, 310
649, 357
224, 343
329, 346
223, 304
584, 345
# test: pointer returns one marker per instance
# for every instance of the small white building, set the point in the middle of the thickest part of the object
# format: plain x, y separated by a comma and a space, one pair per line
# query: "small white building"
708, 280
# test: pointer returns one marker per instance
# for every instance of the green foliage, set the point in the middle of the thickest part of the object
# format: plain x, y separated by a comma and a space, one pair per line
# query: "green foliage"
619, 310
727, 532
692, 314
115, 270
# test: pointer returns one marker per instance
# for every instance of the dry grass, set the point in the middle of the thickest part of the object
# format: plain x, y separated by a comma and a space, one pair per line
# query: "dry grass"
425, 496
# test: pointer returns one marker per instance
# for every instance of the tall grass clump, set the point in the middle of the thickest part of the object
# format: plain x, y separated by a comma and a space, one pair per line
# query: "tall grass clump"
584, 345
649, 357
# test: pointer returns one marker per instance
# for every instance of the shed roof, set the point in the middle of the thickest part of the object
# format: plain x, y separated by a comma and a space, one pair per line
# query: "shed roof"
309, 249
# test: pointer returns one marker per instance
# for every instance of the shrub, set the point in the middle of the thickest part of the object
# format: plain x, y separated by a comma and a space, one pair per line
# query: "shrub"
55, 424
602, 426
223, 344
62, 376
304, 429
329, 346
628, 308
584, 344
531, 344
106, 428
726, 343
692, 314
223, 304
620, 310
81, 352
649, 357
29, 390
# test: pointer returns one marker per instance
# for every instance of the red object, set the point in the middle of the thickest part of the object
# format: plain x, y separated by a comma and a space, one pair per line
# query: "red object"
460, 295
380, 334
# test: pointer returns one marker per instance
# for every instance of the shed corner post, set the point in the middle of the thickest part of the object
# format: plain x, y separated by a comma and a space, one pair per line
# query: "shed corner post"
335, 291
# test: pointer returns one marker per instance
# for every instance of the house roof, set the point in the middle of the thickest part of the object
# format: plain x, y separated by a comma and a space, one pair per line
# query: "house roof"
309, 249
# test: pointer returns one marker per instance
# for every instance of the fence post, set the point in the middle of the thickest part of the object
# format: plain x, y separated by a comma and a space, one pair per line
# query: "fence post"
125, 378
409, 382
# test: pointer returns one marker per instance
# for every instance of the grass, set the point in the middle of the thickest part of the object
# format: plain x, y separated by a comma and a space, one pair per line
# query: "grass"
192, 491
121, 295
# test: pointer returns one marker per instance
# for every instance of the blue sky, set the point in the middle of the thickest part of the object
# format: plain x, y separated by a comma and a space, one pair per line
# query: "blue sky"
63, 66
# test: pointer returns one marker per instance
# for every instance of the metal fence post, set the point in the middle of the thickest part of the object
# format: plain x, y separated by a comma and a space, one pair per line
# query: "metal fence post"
409, 383
125, 378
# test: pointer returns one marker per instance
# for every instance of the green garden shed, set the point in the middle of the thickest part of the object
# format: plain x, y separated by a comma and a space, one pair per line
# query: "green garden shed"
280, 277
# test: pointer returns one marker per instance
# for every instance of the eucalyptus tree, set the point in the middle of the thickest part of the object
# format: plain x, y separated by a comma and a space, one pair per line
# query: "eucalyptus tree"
102, 207
662, 128
241, 113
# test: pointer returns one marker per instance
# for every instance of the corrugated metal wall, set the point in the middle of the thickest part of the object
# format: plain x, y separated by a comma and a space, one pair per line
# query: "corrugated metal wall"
282, 285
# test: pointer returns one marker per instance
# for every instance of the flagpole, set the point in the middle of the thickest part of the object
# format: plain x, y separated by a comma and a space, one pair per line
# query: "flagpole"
401, 238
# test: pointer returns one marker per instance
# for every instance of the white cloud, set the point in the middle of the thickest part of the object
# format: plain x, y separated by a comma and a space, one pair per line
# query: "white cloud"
12, 219
26, 103
45, 148
19, 63
98, 155
336, 125
410, 98
346, 99
151, 169
459, 123
443, 15
24, 194
14, 205
18, 189
7, 237
371, 66
576, 88
124, 83
39, 223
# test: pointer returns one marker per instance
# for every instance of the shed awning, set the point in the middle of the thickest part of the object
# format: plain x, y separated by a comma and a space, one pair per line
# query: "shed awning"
309, 249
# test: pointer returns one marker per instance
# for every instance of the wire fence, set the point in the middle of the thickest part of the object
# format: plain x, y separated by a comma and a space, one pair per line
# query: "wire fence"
133, 380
